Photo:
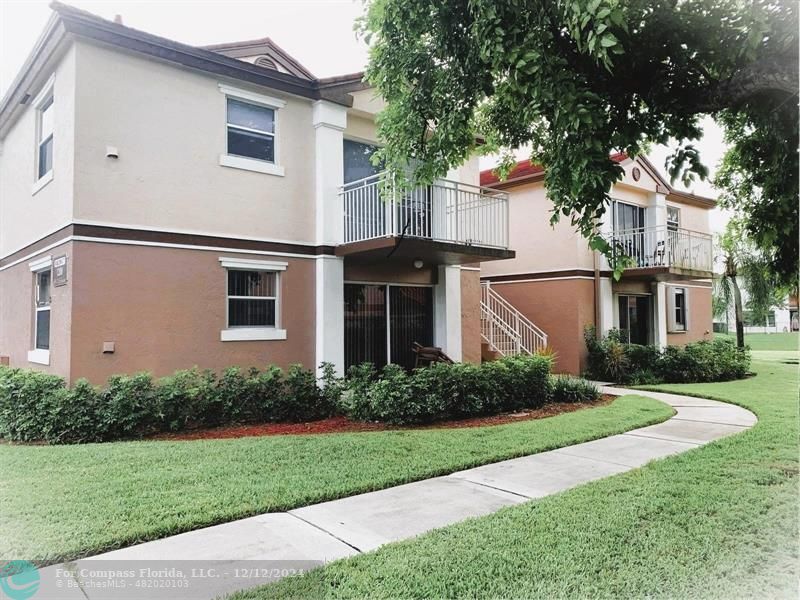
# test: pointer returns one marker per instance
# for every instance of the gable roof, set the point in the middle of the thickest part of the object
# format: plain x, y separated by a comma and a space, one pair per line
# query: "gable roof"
262, 47
525, 172
68, 21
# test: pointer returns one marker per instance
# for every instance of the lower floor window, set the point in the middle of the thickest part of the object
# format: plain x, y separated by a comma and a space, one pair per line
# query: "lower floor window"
252, 298
679, 309
42, 307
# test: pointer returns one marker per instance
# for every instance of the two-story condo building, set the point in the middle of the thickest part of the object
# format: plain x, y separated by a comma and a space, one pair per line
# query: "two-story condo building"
164, 206
557, 286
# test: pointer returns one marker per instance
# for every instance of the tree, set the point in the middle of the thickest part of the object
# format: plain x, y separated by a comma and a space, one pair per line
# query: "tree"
744, 266
577, 79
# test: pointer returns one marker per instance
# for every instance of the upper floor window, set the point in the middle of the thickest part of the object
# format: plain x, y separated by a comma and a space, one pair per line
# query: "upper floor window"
251, 130
673, 218
627, 216
44, 156
358, 161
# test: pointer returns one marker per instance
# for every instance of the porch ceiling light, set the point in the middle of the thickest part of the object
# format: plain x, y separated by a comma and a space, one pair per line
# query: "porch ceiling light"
418, 263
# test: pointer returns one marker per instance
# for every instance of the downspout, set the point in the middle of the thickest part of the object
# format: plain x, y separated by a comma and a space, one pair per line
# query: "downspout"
597, 332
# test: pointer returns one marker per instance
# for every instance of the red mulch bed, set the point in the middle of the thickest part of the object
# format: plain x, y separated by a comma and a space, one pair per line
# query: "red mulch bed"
345, 425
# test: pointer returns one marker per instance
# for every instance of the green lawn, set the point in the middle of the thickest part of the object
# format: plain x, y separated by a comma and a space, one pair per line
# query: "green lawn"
716, 522
65, 502
767, 341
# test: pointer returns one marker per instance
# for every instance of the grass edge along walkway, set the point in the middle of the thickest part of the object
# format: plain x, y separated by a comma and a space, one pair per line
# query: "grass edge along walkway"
66, 502
714, 522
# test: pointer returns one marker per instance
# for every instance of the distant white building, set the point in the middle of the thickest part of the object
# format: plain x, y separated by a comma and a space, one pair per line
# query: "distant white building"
780, 319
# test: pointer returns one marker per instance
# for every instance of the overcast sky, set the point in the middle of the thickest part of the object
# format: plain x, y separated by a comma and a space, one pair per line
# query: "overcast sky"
318, 33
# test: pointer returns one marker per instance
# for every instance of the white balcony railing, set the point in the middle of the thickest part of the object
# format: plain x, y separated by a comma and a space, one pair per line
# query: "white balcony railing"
446, 211
665, 247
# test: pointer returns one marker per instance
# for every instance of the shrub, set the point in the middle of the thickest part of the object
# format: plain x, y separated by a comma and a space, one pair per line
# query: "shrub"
719, 360
27, 399
695, 362
130, 407
185, 398
573, 389
445, 391
37, 406
302, 399
76, 415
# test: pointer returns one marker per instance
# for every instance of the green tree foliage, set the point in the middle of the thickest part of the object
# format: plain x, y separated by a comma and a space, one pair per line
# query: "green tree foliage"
745, 266
576, 79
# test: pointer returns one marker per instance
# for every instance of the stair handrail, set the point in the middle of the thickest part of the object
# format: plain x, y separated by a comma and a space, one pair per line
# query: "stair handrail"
538, 338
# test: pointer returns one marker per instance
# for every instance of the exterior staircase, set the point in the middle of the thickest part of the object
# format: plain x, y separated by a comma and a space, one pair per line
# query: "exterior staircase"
505, 331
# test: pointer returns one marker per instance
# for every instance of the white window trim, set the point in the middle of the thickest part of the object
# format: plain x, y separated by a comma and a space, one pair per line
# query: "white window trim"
251, 334
38, 356
43, 181
41, 264
243, 162
254, 97
252, 164
672, 322
45, 95
249, 264
247, 334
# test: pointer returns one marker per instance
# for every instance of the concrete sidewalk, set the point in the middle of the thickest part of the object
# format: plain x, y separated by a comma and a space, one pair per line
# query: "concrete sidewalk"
324, 532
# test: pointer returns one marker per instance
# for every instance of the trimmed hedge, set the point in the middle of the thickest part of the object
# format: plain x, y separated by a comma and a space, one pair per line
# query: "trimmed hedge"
36, 406
696, 362
444, 391
566, 388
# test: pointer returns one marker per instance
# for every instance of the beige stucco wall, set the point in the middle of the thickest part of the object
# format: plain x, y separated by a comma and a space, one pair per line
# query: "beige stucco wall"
26, 216
539, 246
17, 285
164, 308
693, 218
168, 125
361, 129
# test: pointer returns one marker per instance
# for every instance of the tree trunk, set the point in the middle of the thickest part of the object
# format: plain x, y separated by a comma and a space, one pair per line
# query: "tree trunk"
737, 306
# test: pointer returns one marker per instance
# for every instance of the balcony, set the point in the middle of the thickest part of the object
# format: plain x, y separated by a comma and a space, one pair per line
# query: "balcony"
662, 251
447, 222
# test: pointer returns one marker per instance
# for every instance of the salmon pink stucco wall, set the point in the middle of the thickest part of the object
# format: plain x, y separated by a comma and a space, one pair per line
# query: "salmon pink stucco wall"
164, 309
470, 315
700, 316
17, 314
562, 308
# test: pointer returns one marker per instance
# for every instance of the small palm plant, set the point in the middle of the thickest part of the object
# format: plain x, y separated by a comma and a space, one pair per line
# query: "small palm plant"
744, 266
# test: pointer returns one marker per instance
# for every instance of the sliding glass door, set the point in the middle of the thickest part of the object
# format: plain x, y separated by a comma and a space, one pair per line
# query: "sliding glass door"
634, 319
381, 322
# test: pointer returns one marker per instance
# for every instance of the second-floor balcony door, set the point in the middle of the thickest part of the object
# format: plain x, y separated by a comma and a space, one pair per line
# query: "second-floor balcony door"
627, 218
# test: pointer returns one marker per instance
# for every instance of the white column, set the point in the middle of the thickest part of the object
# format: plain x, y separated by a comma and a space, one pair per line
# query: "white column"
606, 300
447, 311
656, 211
330, 311
660, 314
329, 122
